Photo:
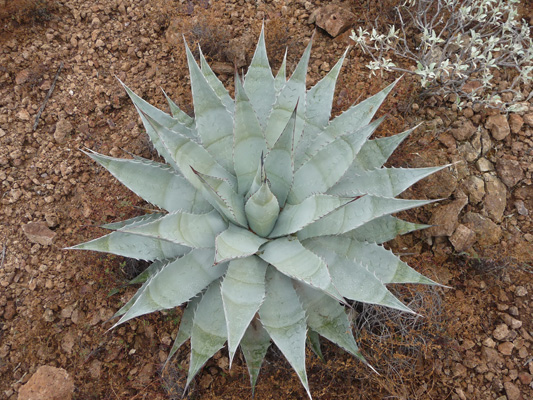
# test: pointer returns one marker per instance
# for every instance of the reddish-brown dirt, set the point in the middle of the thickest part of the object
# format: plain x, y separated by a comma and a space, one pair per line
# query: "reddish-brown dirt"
472, 340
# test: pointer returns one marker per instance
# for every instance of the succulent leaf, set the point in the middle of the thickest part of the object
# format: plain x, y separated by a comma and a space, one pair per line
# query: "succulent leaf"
375, 153
184, 332
161, 291
328, 318
152, 270
319, 100
356, 213
214, 123
222, 197
259, 82
293, 218
236, 242
139, 220
146, 109
208, 332
385, 182
192, 230
327, 166
346, 272
133, 246
387, 267
243, 291
262, 210
254, 345
291, 94
283, 317
383, 229
178, 114
279, 162
146, 180
215, 84
248, 140
356, 116
186, 153
281, 76
291, 258
313, 339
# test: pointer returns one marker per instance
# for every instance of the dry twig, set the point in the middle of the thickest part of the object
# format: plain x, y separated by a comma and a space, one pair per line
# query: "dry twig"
47, 96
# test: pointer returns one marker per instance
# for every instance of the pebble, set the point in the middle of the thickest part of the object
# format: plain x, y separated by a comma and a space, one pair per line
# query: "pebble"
506, 348
500, 332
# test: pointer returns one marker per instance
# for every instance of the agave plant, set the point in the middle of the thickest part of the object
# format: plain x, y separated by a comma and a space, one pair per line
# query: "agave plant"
273, 215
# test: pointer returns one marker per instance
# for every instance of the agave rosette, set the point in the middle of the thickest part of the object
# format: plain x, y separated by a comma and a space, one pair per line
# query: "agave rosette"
275, 214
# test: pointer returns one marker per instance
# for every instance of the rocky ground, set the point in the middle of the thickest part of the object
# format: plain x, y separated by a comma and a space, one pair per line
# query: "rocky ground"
475, 341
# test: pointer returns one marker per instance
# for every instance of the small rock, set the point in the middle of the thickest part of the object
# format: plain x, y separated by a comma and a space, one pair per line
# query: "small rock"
487, 232
506, 348
500, 332
48, 315
145, 374
498, 126
38, 232
51, 219
48, 383
463, 238
23, 115
63, 129
528, 119
491, 356
447, 140
495, 198
469, 152
68, 343
515, 123
10, 311
474, 187
486, 142
445, 218
512, 391
509, 172
525, 378
95, 369
484, 165
513, 323
488, 342
465, 130
22, 76
520, 291
521, 208
333, 19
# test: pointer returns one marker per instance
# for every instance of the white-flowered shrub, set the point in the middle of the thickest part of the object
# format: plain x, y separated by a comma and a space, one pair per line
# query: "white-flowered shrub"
455, 46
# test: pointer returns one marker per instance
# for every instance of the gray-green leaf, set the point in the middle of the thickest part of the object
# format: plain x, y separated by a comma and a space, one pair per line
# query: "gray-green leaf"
243, 291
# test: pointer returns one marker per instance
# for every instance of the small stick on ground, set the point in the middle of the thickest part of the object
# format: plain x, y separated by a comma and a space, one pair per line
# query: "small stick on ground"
3, 255
47, 96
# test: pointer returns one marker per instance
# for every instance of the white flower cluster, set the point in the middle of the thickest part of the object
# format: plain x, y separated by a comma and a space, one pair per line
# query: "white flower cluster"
455, 46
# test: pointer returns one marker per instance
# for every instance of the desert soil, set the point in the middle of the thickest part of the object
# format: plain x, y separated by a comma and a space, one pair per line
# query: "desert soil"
472, 340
